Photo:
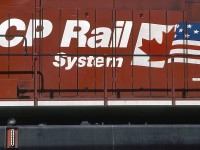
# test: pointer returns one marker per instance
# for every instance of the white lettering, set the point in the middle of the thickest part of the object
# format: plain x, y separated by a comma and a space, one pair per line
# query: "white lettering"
126, 34
89, 61
74, 29
99, 62
81, 61
103, 37
20, 26
117, 34
44, 27
60, 60
69, 32
70, 62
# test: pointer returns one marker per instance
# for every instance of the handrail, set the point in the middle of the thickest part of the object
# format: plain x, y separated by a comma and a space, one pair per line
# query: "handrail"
107, 55
105, 90
118, 91
26, 72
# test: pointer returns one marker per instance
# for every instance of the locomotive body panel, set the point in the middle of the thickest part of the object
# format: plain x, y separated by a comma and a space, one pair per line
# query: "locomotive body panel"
111, 52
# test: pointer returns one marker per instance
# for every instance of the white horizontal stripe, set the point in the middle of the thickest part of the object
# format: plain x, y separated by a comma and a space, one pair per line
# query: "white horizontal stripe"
187, 102
185, 60
122, 103
70, 103
178, 42
196, 79
186, 42
185, 51
180, 60
100, 103
16, 103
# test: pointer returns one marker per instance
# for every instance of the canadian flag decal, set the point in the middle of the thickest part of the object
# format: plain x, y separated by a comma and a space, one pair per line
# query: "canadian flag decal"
152, 47
153, 39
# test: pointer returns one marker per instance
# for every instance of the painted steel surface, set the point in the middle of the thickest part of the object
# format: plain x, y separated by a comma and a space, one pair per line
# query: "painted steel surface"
107, 137
117, 137
99, 49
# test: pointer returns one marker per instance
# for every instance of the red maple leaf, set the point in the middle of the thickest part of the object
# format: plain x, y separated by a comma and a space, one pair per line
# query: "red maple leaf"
152, 47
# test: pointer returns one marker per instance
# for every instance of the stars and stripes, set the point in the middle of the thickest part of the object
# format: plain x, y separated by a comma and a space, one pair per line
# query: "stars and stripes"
186, 41
187, 32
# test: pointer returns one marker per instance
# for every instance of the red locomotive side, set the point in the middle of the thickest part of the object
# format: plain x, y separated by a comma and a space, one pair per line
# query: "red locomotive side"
109, 52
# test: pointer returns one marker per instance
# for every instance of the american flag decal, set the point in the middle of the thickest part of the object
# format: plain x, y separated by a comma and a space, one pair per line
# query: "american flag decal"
186, 41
